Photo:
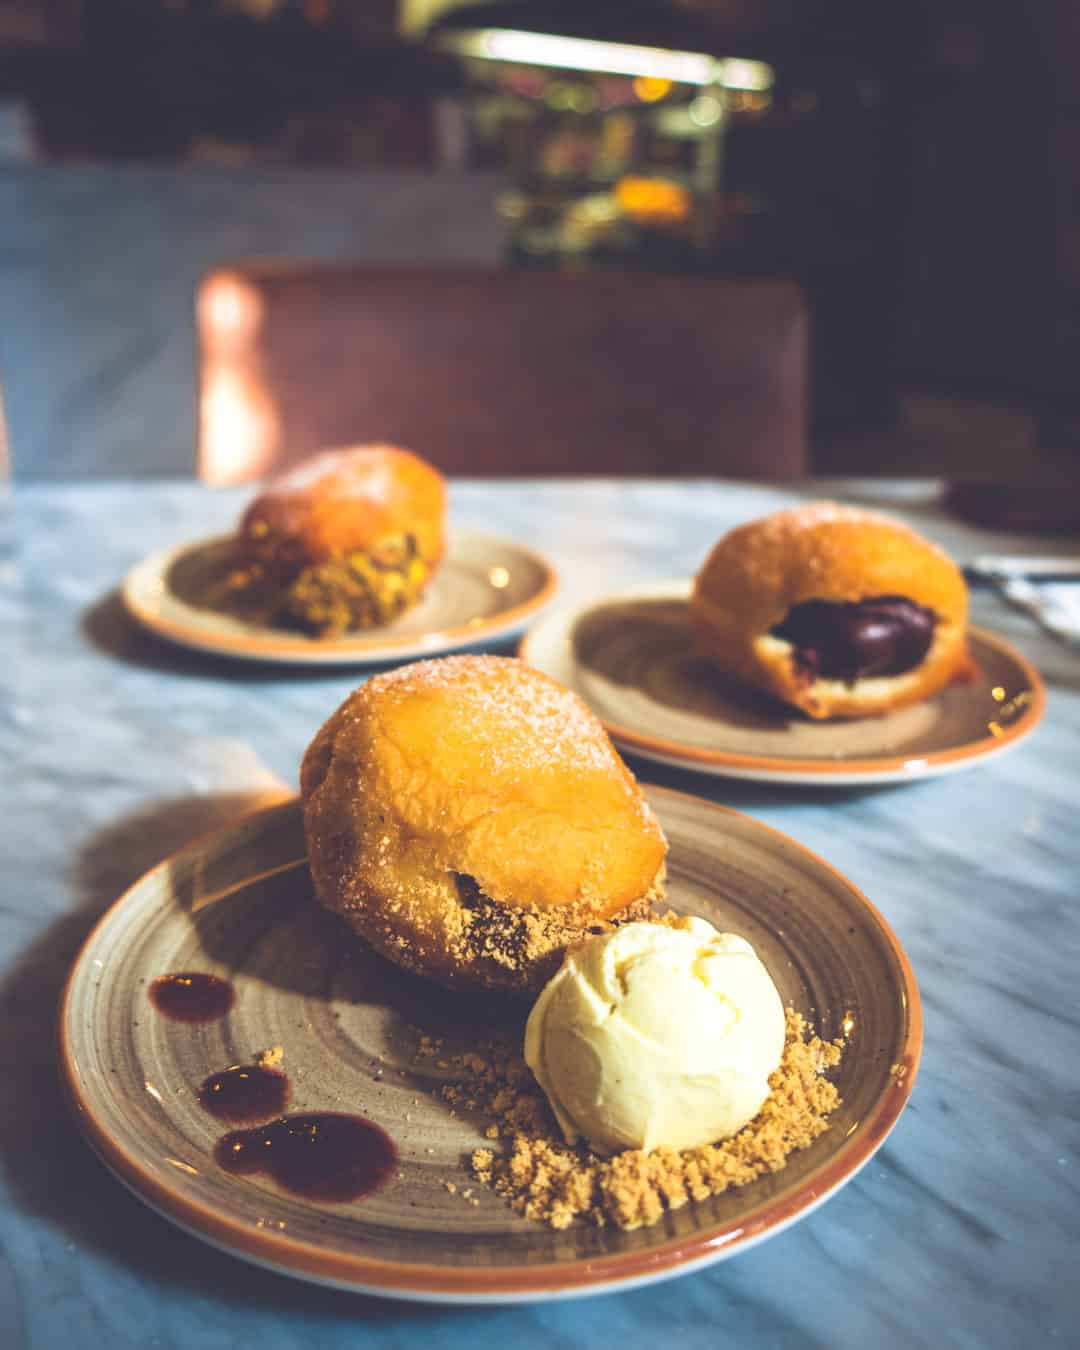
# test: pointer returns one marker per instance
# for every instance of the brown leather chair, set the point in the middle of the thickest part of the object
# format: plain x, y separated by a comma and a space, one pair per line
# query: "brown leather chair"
494, 372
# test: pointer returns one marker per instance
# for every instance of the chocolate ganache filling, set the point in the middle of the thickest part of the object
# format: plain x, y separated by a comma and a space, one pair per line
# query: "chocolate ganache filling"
884, 635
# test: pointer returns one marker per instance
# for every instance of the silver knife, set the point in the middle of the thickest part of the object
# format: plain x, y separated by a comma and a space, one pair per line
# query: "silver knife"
996, 567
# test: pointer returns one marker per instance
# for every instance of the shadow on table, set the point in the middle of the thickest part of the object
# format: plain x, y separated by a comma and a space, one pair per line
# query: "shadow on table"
749, 796
252, 908
51, 1171
109, 627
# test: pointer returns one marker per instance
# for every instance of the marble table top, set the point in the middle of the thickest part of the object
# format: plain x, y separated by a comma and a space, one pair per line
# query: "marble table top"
964, 1230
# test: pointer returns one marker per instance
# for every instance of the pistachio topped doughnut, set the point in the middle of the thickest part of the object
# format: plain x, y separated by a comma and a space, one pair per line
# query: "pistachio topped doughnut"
349, 540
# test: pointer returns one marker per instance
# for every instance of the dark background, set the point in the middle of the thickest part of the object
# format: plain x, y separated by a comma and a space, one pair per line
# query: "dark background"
921, 160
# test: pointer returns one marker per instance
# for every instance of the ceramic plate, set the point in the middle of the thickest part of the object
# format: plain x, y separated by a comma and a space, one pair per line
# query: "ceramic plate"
631, 657
238, 905
486, 588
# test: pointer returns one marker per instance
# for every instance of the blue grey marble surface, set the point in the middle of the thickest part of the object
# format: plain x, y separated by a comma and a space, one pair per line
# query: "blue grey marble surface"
964, 1230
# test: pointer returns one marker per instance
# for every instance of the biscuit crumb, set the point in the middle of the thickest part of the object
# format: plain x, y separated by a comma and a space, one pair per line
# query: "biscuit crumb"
270, 1059
544, 1178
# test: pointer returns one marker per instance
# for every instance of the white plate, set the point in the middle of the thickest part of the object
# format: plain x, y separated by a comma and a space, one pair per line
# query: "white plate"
632, 658
486, 588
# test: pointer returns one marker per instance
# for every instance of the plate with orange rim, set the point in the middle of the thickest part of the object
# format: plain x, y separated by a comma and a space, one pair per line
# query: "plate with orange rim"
632, 658
345, 1027
486, 588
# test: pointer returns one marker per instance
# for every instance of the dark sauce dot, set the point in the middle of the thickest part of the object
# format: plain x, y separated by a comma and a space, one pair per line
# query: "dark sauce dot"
191, 996
245, 1093
329, 1157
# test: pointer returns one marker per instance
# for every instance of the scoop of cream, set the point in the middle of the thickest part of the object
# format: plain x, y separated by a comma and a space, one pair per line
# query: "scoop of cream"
651, 1036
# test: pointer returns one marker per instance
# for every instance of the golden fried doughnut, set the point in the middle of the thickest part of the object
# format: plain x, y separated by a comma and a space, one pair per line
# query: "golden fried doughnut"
348, 540
839, 611
470, 818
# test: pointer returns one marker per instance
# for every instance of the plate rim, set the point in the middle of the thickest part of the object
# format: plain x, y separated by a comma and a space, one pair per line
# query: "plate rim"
778, 768
504, 1284
294, 649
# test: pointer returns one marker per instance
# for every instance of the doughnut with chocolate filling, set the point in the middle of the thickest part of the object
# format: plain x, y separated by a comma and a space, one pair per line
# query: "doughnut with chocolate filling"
471, 819
349, 540
838, 611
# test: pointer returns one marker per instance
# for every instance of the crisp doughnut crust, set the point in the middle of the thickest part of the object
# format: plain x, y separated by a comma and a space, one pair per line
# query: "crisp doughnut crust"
471, 819
349, 540
346, 501
826, 551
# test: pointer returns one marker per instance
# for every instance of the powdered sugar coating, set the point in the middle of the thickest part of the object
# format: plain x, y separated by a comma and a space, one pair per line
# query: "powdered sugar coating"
520, 718
810, 515
359, 471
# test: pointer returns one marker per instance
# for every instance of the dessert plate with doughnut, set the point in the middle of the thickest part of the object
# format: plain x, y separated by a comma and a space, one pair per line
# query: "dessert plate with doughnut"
821, 645
271, 1055
308, 1039
346, 560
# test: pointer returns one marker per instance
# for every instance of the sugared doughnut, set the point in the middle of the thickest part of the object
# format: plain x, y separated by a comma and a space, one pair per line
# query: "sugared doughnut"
841, 612
470, 818
349, 540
